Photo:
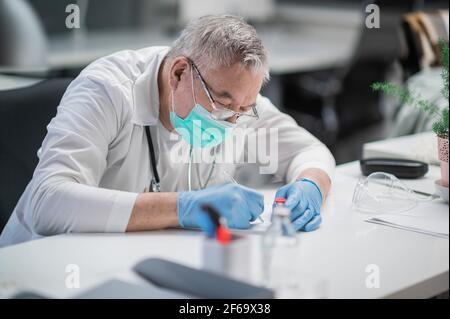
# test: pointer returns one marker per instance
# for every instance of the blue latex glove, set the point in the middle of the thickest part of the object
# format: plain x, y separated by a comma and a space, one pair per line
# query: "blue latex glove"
304, 199
239, 205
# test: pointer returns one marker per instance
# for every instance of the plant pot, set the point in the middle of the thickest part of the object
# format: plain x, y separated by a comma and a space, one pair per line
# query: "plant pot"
443, 157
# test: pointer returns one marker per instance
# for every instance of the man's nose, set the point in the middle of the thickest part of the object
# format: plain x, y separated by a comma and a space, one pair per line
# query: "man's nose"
236, 107
232, 119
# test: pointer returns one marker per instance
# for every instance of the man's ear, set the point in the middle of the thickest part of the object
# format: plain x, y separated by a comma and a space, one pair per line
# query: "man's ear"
178, 70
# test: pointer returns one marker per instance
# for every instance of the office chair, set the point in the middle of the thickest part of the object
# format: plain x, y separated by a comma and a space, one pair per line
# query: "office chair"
421, 32
23, 41
24, 115
342, 111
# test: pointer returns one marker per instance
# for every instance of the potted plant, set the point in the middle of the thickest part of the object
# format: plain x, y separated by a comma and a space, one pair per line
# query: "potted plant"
439, 115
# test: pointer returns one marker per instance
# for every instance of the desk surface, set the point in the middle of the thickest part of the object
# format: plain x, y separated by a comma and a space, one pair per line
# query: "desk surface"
9, 82
420, 146
309, 48
305, 39
336, 257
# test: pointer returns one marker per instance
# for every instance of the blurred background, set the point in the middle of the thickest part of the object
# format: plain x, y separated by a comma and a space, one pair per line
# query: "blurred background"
323, 59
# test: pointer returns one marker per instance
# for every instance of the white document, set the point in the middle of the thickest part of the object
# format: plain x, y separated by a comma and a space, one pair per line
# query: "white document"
434, 222
258, 226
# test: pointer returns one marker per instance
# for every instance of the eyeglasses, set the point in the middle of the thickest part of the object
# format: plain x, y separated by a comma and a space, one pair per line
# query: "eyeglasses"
221, 112
384, 193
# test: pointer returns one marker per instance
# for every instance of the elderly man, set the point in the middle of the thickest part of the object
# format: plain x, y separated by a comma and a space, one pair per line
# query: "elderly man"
108, 162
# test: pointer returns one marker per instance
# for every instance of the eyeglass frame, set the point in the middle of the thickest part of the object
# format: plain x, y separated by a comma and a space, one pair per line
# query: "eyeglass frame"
213, 102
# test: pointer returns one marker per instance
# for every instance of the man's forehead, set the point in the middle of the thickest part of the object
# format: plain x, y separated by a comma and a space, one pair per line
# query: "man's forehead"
234, 81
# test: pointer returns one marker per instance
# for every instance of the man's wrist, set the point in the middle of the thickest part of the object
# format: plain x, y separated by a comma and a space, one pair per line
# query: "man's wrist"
319, 177
153, 211
303, 179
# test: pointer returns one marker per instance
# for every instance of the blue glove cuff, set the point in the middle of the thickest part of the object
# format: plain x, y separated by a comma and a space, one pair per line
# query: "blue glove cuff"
314, 183
182, 201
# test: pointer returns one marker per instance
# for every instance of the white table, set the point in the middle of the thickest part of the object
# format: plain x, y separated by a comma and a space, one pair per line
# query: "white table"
303, 38
10, 82
334, 258
420, 146
305, 49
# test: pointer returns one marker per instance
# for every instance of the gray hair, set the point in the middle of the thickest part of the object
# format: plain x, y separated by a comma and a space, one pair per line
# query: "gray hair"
221, 40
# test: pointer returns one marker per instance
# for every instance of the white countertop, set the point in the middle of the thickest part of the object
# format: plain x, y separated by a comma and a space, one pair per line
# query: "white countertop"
301, 38
9, 82
334, 259
421, 147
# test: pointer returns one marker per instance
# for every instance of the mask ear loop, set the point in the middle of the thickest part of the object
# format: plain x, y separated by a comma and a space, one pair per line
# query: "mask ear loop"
190, 150
172, 102
172, 98
190, 170
192, 81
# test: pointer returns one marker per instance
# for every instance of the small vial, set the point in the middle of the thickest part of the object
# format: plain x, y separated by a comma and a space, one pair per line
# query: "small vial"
280, 250
280, 201
281, 219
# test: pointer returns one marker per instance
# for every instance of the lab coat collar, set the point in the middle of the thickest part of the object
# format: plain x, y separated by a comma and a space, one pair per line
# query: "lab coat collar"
145, 92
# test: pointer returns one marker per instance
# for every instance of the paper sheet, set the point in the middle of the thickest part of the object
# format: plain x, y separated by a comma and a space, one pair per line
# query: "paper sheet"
435, 222
259, 226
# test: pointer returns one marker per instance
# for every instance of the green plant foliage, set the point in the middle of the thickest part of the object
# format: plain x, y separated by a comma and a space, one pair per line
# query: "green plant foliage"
444, 74
440, 124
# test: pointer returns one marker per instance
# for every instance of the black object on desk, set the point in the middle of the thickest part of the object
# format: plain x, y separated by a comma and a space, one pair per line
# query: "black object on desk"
401, 168
196, 282
24, 115
28, 295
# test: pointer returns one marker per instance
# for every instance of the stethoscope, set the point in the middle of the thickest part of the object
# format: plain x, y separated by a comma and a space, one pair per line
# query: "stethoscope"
155, 183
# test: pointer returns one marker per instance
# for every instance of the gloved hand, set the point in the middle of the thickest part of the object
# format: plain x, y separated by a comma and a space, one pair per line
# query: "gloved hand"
239, 205
304, 199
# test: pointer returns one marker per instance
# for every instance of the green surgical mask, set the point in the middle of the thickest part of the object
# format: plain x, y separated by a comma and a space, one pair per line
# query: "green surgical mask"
199, 129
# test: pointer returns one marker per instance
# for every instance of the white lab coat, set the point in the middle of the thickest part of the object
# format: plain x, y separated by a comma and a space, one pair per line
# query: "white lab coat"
95, 160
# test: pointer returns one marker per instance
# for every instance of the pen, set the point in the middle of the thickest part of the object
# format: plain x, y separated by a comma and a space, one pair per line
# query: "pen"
234, 181
432, 196
220, 230
207, 223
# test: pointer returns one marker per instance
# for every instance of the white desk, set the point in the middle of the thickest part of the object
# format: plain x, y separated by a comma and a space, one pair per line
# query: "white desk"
10, 82
304, 38
334, 257
420, 146
290, 50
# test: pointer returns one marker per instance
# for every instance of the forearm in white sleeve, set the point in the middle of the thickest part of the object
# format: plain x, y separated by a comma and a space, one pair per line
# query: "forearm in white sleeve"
65, 193
297, 149
316, 155
64, 206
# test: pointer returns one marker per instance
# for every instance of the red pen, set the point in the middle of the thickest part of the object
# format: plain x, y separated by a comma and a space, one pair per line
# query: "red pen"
223, 235
280, 201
